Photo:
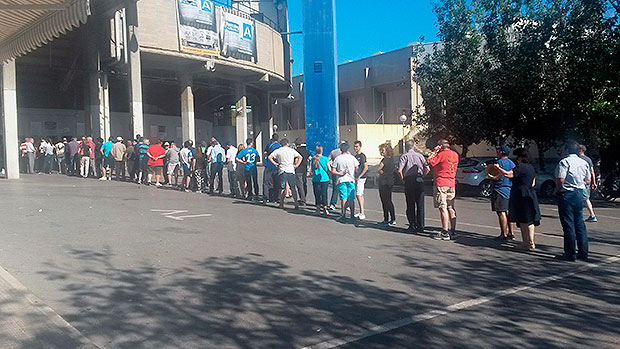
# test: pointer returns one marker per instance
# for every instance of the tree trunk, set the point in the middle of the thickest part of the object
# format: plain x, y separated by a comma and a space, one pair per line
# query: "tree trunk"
464, 150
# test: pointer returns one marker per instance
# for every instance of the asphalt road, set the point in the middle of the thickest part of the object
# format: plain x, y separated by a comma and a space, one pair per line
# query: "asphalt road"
139, 267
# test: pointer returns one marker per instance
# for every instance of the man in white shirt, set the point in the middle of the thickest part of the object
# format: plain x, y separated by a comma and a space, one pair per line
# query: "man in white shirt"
572, 175
231, 166
286, 159
217, 158
344, 167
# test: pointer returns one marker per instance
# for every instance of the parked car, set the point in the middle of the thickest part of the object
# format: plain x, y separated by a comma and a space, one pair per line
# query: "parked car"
471, 176
545, 184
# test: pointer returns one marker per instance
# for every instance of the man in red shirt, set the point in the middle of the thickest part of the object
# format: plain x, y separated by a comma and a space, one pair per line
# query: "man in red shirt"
445, 161
156, 154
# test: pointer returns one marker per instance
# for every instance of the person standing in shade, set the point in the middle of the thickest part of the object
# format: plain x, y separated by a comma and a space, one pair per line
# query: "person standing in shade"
572, 174
108, 161
200, 166
93, 167
119, 153
60, 155
142, 160
412, 168
243, 187
186, 157
47, 150
217, 158
501, 193
445, 161
172, 155
344, 166
270, 174
98, 157
523, 205
130, 159
231, 169
84, 150
156, 154
319, 170
592, 186
334, 179
287, 159
72, 159
249, 157
301, 171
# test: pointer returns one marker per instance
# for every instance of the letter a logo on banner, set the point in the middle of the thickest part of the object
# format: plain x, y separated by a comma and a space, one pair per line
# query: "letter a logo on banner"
206, 6
247, 31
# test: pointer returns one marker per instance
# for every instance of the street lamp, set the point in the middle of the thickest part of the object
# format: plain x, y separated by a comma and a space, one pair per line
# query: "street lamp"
403, 119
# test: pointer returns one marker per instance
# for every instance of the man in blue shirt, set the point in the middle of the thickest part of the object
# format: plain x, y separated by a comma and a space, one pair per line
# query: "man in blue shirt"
270, 176
572, 174
501, 192
108, 161
249, 157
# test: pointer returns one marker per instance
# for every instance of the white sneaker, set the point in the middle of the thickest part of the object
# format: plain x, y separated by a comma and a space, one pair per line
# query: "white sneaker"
158, 184
361, 216
102, 179
357, 215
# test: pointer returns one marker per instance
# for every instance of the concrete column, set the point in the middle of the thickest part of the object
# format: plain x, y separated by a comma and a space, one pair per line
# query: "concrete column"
266, 121
135, 69
9, 114
187, 109
241, 120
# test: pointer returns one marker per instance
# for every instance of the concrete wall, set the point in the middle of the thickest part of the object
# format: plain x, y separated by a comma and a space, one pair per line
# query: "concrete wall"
158, 30
67, 122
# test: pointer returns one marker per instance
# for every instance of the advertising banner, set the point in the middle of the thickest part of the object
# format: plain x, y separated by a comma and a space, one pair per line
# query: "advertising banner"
198, 27
238, 37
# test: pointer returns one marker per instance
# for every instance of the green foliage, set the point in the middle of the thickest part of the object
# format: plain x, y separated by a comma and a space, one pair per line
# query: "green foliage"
526, 69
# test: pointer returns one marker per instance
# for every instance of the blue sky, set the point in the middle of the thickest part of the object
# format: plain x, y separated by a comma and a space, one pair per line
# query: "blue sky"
364, 27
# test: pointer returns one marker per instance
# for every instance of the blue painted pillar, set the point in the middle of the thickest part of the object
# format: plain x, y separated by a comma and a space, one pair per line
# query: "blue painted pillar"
320, 74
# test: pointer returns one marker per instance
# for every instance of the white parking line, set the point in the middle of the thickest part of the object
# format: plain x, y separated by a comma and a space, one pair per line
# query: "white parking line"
379, 329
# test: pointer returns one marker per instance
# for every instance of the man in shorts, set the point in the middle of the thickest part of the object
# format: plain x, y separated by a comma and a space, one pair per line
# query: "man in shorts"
501, 193
360, 177
156, 154
287, 160
344, 167
444, 161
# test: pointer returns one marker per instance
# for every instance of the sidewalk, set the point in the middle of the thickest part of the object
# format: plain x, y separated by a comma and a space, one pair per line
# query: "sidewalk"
26, 322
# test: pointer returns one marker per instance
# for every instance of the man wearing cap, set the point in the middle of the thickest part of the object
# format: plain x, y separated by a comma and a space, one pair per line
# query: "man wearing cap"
445, 162
501, 193
118, 152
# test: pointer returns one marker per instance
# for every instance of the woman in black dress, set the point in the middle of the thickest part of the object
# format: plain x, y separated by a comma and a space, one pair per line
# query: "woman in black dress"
523, 204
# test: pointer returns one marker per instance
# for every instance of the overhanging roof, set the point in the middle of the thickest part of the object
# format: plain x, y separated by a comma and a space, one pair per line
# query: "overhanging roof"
28, 24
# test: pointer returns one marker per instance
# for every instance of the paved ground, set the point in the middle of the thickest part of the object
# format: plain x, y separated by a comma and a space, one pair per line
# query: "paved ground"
217, 272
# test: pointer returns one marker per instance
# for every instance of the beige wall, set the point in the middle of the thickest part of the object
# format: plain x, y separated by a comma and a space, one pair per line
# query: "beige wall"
158, 30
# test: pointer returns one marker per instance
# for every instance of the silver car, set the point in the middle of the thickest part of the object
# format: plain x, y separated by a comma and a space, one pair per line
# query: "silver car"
471, 176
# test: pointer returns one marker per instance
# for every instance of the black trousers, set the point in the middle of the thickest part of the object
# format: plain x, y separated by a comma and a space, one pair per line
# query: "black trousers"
251, 176
385, 193
414, 195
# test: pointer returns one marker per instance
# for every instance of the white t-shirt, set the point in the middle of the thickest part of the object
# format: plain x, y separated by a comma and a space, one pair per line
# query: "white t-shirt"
231, 157
346, 163
285, 157
185, 154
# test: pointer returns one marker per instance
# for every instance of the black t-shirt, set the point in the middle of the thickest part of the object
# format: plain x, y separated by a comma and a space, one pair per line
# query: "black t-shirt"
387, 177
361, 157
303, 166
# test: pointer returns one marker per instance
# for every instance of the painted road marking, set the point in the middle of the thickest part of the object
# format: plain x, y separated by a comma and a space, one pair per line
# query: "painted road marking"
379, 329
172, 214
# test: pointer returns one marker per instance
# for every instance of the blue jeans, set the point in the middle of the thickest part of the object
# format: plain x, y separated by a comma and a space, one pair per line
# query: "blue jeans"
570, 207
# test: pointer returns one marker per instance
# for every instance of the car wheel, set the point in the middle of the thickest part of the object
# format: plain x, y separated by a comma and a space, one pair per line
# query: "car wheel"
485, 189
547, 189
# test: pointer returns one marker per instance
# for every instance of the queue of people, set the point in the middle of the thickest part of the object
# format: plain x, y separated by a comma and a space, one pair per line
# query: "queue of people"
288, 165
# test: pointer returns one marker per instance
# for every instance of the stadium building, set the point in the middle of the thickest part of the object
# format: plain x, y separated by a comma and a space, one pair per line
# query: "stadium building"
163, 69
